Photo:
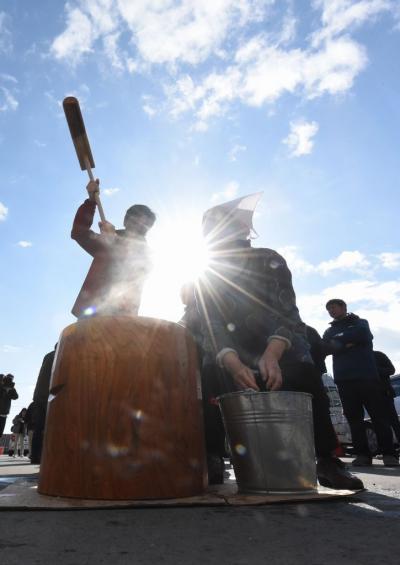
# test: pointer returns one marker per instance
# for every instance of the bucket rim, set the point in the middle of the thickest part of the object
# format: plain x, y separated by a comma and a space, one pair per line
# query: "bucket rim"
250, 392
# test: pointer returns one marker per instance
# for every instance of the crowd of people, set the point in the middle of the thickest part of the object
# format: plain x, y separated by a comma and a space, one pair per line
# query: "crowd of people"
244, 318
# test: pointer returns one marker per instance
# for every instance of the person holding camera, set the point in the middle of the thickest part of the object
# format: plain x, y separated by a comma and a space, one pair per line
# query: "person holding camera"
7, 394
19, 428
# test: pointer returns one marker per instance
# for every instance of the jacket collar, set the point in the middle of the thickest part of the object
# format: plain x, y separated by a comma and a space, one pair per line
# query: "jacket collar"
350, 317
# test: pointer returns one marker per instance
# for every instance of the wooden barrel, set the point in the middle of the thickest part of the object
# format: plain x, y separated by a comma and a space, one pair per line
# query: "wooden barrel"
124, 414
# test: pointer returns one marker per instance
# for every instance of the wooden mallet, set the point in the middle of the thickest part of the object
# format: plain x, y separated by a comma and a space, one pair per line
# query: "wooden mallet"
77, 129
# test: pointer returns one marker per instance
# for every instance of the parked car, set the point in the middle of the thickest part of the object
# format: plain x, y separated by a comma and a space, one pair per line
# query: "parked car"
339, 421
395, 382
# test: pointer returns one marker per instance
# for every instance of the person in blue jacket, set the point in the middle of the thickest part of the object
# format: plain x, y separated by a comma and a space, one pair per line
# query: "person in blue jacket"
349, 339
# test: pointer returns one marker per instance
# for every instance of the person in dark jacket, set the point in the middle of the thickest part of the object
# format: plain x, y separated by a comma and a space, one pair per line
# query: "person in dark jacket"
349, 339
40, 399
7, 394
317, 349
386, 369
190, 318
19, 431
121, 260
253, 334
29, 422
211, 389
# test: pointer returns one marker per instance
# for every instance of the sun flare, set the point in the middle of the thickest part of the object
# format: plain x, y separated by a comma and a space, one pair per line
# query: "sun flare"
179, 255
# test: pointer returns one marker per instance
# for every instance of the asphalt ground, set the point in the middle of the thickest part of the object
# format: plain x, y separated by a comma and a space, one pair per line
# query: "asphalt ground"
364, 530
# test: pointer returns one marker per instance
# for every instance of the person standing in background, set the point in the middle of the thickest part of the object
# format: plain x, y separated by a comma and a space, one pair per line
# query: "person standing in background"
40, 398
19, 429
386, 369
349, 340
7, 394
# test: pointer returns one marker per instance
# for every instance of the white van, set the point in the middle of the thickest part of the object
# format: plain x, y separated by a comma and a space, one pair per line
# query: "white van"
339, 421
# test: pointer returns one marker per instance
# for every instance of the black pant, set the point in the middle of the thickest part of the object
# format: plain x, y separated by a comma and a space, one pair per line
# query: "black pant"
3, 420
39, 419
297, 377
357, 395
391, 411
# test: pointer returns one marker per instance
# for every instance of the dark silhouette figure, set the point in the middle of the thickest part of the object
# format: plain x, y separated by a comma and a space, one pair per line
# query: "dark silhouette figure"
7, 394
386, 369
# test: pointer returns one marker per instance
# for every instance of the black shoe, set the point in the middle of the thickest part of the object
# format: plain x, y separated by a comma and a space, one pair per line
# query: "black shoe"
332, 473
215, 468
362, 461
390, 460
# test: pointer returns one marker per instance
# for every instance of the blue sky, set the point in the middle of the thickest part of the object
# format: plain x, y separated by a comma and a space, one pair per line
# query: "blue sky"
192, 103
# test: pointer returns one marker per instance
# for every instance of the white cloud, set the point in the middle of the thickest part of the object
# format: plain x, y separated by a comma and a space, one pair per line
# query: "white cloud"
10, 349
177, 37
262, 73
5, 34
8, 78
112, 51
166, 32
76, 40
8, 100
390, 260
295, 262
348, 261
234, 152
149, 110
39, 143
339, 16
149, 105
3, 212
110, 191
229, 192
300, 139
188, 31
24, 243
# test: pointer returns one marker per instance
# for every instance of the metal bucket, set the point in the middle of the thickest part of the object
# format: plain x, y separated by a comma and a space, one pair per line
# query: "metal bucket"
272, 441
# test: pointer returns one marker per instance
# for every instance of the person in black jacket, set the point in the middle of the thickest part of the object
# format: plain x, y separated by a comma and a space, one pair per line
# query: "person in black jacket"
253, 336
7, 394
40, 398
317, 349
349, 339
19, 430
385, 370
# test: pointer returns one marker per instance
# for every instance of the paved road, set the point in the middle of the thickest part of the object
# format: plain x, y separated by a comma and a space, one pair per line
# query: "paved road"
364, 531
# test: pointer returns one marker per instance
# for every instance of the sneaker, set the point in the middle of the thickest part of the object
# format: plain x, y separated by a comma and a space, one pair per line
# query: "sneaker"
332, 473
215, 468
362, 461
390, 461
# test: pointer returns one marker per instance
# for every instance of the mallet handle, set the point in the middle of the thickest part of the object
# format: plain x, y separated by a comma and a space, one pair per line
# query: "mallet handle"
97, 196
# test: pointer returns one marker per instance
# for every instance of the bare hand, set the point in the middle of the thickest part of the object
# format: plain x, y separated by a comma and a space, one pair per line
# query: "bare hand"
270, 372
107, 228
244, 378
241, 374
93, 189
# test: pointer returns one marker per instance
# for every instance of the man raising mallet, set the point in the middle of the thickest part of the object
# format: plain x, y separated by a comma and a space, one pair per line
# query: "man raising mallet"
121, 259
